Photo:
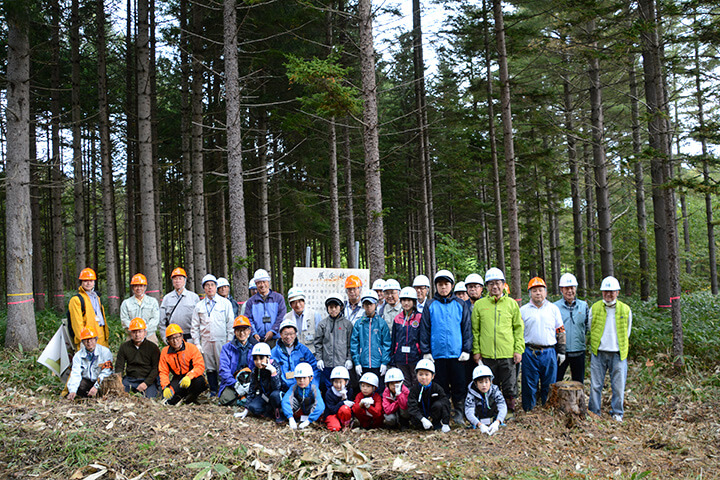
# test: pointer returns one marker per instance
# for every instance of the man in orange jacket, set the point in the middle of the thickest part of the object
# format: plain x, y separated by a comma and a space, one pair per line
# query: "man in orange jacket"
86, 311
185, 362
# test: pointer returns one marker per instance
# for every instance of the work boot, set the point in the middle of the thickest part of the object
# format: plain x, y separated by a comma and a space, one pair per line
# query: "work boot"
458, 416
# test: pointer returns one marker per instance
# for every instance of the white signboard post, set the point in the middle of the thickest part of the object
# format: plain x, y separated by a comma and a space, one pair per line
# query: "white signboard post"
318, 283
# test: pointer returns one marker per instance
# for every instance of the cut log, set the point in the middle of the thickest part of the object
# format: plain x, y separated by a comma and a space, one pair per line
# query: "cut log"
112, 386
569, 398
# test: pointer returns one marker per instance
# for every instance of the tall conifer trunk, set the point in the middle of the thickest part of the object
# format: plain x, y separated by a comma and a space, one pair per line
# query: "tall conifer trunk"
81, 260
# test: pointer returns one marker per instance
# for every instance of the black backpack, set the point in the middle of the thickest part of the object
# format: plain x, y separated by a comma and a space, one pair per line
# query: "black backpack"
68, 321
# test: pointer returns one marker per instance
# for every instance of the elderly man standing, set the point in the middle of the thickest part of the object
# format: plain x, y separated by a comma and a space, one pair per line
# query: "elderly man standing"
421, 284
137, 361
305, 319
212, 327
575, 315
544, 344
353, 309
474, 284
141, 306
177, 306
391, 292
610, 326
265, 309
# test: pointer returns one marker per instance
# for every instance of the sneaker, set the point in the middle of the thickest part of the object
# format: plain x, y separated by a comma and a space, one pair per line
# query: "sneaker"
278, 417
618, 418
459, 418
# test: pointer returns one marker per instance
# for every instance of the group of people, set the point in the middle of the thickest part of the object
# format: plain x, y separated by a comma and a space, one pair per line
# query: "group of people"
410, 359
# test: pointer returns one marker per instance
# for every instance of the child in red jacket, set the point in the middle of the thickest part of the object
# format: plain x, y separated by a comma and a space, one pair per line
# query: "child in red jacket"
395, 399
368, 404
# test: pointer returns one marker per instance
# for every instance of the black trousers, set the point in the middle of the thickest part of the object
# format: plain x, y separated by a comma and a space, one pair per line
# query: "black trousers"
450, 375
191, 393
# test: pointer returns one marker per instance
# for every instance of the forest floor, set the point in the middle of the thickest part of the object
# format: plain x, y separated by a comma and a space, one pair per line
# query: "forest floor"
671, 430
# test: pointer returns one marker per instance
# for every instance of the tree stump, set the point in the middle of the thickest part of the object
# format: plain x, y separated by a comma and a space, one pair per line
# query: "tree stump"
113, 386
568, 398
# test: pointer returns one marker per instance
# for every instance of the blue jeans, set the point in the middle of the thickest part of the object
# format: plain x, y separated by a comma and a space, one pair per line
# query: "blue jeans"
258, 406
601, 364
131, 384
538, 366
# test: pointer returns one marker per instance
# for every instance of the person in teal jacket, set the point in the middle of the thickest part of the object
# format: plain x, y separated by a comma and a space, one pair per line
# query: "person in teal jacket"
370, 340
576, 318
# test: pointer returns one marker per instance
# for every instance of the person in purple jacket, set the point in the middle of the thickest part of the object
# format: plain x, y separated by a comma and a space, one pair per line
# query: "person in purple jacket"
265, 309
405, 336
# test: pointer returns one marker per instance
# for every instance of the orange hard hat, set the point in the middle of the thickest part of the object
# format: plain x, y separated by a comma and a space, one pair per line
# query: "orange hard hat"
138, 279
178, 271
536, 282
172, 329
241, 321
87, 274
353, 281
86, 333
137, 323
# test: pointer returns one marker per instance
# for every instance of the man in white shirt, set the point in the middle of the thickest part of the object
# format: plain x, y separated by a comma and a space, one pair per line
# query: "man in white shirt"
177, 306
305, 319
421, 284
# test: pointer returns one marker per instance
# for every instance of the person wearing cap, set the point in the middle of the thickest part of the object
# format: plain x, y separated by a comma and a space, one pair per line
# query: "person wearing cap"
391, 292
141, 306
181, 368
405, 336
86, 311
353, 309
90, 366
485, 406
367, 406
610, 327
421, 284
306, 319
544, 334
460, 292
212, 327
370, 340
576, 318
302, 404
474, 284
395, 399
332, 341
338, 403
265, 393
498, 334
446, 339
236, 364
428, 406
137, 361
289, 353
378, 287
177, 306
223, 289
266, 309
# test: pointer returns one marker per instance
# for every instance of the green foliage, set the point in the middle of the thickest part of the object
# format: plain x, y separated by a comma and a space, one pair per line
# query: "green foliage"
452, 255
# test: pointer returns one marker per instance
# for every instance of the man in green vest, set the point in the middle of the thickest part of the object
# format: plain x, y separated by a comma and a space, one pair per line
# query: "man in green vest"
610, 325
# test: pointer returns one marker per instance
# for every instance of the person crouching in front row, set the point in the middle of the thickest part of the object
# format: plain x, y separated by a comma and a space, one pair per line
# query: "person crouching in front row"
303, 400
185, 362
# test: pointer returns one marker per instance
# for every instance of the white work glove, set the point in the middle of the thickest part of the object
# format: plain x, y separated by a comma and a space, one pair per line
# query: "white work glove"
464, 357
367, 402
428, 356
427, 424
292, 423
349, 403
348, 364
561, 358
358, 370
484, 428
383, 370
303, 424
271, 369
241, 415
445, 428
320, 365
343, 393
494, 427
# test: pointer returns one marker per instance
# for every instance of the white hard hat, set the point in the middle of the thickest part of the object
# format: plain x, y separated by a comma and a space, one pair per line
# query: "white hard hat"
494, 274
208, 278
482, 371
334, 298
252, 285
446, 274
394, 375
261, 274
303, 370
369, 296
295, 293
339, 372
421, 281
609, 284
568, 280
474, 278
378, 284
288, 323
425, 364
261, 348
222, 282
460, 287
391, 284
370, 378
408, 292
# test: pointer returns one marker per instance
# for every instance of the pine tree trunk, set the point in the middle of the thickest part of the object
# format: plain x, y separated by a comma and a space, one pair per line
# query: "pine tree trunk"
350, 226
20, 330
145, 150
198, 188
492, 138
37, 243
186, 148
56, 175
108, 187
238, 234
262, 145
590, 219
505, 109
81, 260
131, 239
334, 201
554, 234
373, 191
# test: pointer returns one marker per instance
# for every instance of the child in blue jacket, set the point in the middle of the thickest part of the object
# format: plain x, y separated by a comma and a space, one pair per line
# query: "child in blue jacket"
370, 340
303, 400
